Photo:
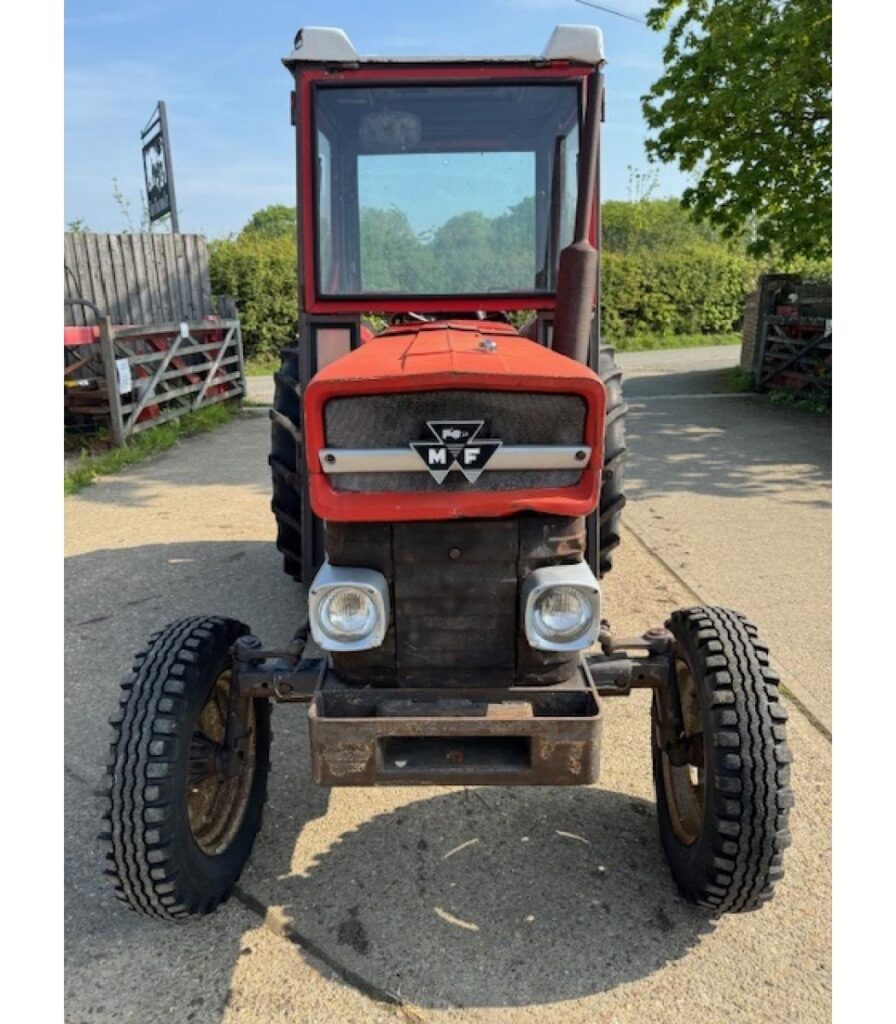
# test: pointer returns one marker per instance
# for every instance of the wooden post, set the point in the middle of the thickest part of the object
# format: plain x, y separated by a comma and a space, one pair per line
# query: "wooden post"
107, 348
240, 366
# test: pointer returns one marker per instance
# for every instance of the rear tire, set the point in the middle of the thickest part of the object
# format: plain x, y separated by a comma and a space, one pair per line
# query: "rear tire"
177, 835
612, 495
723, 816
285, 461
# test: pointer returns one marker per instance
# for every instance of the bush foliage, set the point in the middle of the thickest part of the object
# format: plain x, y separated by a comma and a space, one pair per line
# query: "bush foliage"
699, 289
662, 273
259, 271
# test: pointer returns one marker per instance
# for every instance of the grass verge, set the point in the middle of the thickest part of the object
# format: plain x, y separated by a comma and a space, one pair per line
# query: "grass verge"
817, 401
147, 443
650, 342
739, 380
261, 366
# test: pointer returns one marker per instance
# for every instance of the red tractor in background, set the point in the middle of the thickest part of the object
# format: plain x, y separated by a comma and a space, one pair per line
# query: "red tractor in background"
449, 489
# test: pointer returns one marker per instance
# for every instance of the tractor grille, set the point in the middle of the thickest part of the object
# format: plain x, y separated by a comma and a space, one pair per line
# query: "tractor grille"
513, 417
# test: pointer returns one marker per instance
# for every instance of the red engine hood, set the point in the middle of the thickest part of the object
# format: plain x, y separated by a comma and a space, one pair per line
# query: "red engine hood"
440, 356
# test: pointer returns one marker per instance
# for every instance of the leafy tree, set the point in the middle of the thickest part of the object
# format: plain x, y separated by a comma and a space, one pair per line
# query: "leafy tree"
77, 226
272, 221
744, 103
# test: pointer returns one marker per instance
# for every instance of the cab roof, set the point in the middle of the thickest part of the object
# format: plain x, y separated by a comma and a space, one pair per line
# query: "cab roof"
578, 44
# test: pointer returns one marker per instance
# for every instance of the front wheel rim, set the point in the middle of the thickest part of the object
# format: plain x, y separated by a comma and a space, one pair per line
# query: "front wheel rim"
216, 804
685, 785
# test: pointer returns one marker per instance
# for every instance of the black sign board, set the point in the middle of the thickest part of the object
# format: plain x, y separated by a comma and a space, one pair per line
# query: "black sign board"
157, 170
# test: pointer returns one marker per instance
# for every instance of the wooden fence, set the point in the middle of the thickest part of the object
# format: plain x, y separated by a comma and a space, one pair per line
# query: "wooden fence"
137, 278
144, 341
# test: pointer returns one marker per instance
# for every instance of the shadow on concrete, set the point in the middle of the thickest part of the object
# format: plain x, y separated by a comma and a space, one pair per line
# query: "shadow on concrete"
690, 382
728, 448
495, 897
120, 966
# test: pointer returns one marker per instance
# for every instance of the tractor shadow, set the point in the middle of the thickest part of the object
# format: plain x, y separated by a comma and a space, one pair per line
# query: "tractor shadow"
476, 897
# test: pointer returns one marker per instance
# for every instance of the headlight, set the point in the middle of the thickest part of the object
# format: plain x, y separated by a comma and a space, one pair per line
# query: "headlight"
562, 613
561, 608
347, 613
348, 608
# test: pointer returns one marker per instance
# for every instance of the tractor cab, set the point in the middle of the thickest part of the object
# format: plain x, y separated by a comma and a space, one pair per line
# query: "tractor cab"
443, 188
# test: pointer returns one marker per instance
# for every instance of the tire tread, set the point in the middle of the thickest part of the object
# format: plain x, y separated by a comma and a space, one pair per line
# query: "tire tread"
138, 817
750, 794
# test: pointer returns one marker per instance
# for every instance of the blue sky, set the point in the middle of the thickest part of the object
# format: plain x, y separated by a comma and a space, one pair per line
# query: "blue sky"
217, 66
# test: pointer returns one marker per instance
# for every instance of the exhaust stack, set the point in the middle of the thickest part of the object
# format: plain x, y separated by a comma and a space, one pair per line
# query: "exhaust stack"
577, 273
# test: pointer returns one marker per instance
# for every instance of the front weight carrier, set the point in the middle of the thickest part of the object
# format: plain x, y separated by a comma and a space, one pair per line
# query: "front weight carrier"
533, 735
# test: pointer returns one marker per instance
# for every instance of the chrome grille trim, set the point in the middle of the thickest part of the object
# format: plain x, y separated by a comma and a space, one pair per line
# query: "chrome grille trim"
405, 460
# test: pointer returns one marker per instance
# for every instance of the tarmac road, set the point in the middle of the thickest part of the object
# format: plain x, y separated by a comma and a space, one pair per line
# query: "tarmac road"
498, 905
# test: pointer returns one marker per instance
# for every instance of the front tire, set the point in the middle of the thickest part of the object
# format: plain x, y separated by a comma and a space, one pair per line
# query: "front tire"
178, 832
723, 815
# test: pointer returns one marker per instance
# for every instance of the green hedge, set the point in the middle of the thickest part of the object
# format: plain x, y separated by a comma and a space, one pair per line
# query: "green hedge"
698, 290
695, 291
260, 273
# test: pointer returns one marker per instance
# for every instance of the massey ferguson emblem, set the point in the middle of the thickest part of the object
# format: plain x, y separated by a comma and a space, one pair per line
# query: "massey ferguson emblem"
457, 445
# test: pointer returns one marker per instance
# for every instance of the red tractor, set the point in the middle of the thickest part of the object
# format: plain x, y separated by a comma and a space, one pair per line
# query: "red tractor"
448, 485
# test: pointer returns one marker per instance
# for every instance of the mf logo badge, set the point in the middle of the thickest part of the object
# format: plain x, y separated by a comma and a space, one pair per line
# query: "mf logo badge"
457, 445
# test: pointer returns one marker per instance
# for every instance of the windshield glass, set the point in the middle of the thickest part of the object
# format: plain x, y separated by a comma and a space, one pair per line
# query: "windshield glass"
443, 189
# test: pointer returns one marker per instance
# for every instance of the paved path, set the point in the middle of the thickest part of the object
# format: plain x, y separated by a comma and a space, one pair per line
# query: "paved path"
734, 495
667, 361
679, 372
349, 908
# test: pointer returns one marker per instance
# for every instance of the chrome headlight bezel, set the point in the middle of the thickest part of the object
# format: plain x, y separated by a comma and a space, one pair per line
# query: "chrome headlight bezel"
331, 578
577, 577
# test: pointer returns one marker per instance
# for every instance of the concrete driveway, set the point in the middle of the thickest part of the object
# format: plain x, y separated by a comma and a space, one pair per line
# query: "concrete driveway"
460, 904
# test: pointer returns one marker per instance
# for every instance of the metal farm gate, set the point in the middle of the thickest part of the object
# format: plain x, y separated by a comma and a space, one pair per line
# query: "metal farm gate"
143, 342
793, 342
